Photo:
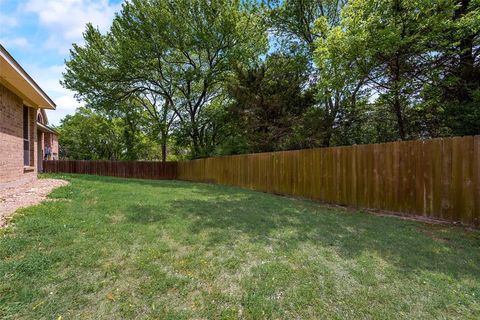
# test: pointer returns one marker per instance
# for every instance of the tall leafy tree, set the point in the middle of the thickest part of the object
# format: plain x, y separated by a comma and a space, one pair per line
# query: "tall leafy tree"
268, 100
91, 135
338, 73
293, 22
393, 42
456, 88
98, 75
178, 52
302, 26
339, 86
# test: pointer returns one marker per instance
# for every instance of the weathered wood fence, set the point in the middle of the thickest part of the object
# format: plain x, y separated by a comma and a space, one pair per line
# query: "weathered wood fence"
438, 178
123, 169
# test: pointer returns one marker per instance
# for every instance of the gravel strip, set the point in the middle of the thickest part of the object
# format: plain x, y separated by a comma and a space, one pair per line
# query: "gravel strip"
25, 195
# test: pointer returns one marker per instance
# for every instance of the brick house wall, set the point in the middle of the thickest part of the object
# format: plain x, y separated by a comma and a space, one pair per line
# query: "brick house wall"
12, 170
41, 142
50, 140
55, 146
46, 139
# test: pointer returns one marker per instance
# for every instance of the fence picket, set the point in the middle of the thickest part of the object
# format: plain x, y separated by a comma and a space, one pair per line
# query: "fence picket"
437, 178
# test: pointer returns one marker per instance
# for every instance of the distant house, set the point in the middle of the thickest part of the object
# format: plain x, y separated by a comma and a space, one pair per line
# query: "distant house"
48, 138
25, 138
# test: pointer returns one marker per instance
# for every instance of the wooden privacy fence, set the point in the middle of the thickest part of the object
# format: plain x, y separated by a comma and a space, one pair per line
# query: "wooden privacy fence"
123, 169
438, 178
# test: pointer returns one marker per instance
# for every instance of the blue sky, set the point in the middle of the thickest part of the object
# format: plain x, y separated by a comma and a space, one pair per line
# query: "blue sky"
39, 34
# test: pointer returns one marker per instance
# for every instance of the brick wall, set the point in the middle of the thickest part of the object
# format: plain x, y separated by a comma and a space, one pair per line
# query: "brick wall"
41, 142
55, 146
32, 131
51, 141
11, 140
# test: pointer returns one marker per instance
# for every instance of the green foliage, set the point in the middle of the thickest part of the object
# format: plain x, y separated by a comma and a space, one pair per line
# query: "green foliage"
172, 54
89, 135
337, 72
267, 100
400, 49
456, 85
293, 22
392, 38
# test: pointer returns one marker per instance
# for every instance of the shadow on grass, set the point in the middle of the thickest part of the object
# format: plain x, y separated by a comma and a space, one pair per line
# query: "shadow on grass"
226, 213
287, 224
144, 214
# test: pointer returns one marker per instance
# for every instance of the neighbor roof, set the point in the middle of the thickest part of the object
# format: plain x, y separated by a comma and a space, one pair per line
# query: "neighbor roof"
16, 79
44, 128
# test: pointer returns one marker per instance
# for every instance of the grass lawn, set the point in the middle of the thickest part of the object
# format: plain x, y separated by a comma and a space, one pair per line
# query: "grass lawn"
106, 248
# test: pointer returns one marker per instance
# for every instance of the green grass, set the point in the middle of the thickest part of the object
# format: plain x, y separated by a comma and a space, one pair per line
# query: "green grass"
106, 248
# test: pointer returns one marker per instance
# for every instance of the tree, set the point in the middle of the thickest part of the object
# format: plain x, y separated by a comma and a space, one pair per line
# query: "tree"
393, 41
172, 56
303, 27
198, 76
90, 135
293, 22
456, 86
268, 100
339, 85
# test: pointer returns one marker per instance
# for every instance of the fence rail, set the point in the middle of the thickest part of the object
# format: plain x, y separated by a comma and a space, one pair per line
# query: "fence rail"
438, 178
123, 169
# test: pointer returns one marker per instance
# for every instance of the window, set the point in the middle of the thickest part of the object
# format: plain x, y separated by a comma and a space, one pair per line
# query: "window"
26, 139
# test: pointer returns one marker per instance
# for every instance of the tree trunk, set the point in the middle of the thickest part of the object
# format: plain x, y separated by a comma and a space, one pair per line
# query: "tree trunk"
164, 151
399, 115
163, 143
397, 104
195, 140
196, 148
466, 59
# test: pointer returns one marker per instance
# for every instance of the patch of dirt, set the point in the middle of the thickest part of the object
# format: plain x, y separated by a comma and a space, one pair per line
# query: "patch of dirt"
25, 195
432, 234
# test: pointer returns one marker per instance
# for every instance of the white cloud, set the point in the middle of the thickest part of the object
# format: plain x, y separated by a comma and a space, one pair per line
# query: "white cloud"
48, 78
66, 19
65, 105
50, 27
61, 23
8, 21
15, 42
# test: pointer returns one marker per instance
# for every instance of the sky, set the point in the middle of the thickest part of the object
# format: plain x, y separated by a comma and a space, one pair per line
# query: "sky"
39, 34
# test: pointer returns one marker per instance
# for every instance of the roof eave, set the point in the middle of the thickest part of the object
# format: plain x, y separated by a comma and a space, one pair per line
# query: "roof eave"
45, 128
15, 78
